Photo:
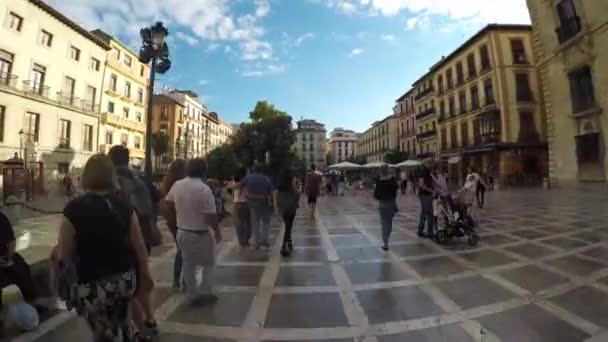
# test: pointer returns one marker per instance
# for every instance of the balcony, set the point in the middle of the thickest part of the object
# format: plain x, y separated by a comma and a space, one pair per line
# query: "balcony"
118, 121
64, 143
89, 106
8, 80
424, 93
113, 92
569, 28
36, 89
126, 98
425, 135
139, 103
66, 99
425, 114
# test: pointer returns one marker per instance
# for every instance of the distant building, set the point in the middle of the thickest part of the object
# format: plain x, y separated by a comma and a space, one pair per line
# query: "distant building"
404, 108
311, 143
168, 118
342, 145
377, 140
193, 134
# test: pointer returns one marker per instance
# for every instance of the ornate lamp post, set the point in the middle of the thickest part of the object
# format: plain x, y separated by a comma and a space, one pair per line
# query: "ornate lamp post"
155, 52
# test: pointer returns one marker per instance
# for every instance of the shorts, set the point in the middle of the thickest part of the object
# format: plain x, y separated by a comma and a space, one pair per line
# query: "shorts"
312, 199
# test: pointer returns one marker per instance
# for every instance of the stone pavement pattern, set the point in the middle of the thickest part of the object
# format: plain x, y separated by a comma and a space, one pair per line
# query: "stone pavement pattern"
540, 274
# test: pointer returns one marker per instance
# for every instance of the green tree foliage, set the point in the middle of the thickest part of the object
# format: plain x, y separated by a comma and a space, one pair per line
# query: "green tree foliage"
160, 146
222, 163
265, 110
395, 156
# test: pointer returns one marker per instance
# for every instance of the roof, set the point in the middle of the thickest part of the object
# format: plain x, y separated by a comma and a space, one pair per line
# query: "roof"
471, 41
71, 24
408, 93
190, 93
107, 38
165, 98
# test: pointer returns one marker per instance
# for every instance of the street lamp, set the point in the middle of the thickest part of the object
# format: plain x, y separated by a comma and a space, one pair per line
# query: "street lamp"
155, 52
21, 134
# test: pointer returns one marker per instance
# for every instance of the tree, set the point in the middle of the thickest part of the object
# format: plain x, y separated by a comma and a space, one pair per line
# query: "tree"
265, 110
222, 163
395, 156
160, 146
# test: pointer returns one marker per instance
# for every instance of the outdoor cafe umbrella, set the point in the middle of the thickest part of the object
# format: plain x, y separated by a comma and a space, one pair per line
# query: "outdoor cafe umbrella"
374, 165
345, 166
409, 163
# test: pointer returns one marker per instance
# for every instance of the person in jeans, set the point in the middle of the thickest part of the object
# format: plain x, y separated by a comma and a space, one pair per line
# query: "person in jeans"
480, 190
191, 207
312, 189
241, 209
287, 199
176, 171
100, 234
385, 192
425, 193
259, 190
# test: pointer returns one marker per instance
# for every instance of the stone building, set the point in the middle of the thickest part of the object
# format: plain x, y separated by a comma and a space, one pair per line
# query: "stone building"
404, 107
168, 118
311, 143
342, 145
195, 133
571, 45
377, 140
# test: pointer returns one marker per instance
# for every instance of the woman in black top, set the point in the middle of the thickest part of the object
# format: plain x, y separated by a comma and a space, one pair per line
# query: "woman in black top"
101, 237
287, 198
386, 193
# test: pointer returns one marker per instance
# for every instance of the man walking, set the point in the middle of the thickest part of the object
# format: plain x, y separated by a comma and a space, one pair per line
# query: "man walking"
425, 193
258, 189
191, 206
313, 188
403, 179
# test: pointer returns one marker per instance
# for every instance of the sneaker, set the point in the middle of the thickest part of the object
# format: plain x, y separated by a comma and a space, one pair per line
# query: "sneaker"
385, 248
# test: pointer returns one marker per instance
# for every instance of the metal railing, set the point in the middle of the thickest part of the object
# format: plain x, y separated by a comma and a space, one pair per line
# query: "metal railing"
8, 80
36, 88
66, 99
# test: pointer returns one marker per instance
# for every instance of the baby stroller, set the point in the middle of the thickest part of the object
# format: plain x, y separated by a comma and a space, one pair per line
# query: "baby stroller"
454, 221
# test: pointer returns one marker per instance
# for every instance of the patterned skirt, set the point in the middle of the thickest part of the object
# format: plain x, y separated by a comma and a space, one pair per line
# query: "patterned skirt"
105, 305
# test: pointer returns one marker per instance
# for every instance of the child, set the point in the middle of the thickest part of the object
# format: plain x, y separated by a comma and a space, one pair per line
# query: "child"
467, 194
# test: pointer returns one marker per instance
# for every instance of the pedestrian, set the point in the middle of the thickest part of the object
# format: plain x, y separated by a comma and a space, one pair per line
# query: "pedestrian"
191, 205
287, 199
467, 194
479, 185
312, 189
341, 184
101, 236
441, 193
176, 171
425, 193
68, 187
241, 215
385, 192
134, 190
413, 180
403, 178
259, 191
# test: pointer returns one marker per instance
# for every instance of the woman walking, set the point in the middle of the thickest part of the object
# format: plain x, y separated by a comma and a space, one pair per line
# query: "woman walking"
101, 236
241, 209
385, 192
177, 171
287, 198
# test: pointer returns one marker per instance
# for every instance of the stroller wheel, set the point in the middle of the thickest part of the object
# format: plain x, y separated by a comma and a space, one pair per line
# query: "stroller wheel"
442, 236
473, 239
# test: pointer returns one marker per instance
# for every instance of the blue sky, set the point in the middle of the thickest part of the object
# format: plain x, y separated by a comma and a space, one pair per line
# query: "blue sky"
342, 62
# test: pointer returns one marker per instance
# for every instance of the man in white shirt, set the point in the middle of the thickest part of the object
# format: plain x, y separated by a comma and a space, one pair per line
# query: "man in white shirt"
191, 206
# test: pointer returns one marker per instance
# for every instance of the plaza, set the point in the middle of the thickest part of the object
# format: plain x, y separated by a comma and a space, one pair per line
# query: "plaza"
539, 274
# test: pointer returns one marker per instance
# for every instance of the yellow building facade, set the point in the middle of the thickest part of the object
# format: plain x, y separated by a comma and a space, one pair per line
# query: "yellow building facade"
571, 46
168, 118
123, 100
379, 139
486, 99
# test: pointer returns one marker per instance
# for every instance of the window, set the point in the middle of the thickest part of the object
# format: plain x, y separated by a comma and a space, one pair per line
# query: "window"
137, 142
117, 54
450, 79
464, 134
89, 100
527, 128
444, 139
489, 91
74, 53
474, 97
2, 119
65, 127
459, 73
46, 38
88, 138
67, 94
570, 24
164, 113
108, 139
477, 132
141, 71
471, 65
485, 57
524, 93
453, 136
113, 82
519, 52
127, 90
124, 139
15, 22
38, 78
110, 107
138, 116
125, 112
6, 67
164, 128
462, 101
588, 148
451, 107
442, 110
94, 64
63, 168
140, 96
581, 89
128, 60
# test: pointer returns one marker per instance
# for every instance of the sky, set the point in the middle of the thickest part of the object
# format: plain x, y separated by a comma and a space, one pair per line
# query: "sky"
341, 62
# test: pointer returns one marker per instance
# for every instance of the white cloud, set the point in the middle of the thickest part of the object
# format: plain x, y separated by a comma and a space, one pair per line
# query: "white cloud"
255, 49
260, 70
188, 39
212, 20
418, 23
203, 82
212, 47
356, 52
388, 37
301, 39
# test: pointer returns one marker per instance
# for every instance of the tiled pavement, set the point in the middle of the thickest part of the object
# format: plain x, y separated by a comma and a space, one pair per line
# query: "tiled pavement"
540, 274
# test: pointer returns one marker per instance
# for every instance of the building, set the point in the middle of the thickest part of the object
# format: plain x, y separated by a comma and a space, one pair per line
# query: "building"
195, 134
482, 105
342, 145
404, 108
571, 45
168, 118
225, 132
51, 73
123, 100
311, 143
377, 140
